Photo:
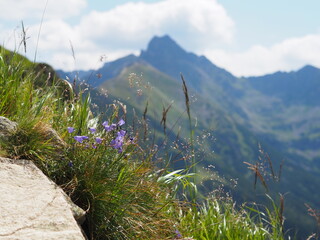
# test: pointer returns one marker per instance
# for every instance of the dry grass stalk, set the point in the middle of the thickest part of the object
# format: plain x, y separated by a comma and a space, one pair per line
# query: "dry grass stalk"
145, 125
280, 171
281, 219
270, 165
123, 107
255, 169
314, 213
164, 117
186, 95
24, 39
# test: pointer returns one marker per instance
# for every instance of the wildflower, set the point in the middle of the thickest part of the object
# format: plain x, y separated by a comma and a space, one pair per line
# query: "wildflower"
121, 122
178, 234
70, 129
92, 130
118, 141
108, 127
121, 133
105, 123
70, 164
98, 140
80, 139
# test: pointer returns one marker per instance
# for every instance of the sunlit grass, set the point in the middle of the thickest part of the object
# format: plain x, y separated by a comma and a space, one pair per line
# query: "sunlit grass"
107, 172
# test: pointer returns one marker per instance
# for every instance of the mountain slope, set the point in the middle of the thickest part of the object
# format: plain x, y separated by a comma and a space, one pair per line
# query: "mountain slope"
291, 118
239, 113
205, 78
232, 144
301, 87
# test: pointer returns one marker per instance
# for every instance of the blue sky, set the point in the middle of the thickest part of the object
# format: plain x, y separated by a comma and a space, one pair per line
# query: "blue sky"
247, 37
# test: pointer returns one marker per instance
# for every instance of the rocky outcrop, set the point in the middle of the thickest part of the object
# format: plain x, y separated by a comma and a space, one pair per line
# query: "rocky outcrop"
51, 136
7, 127
33, 207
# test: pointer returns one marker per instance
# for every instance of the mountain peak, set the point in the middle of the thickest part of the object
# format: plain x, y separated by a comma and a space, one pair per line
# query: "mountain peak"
308, 68
164, 40
163, 46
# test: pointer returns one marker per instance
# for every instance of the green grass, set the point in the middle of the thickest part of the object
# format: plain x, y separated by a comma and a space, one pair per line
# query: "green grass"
124, 194
216, 220
119, 191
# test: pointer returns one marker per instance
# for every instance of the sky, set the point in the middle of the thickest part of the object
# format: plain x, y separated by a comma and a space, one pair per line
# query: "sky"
247, 37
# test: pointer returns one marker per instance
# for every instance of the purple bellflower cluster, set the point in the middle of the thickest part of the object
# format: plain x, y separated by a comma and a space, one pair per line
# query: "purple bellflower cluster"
116, 143
112, 126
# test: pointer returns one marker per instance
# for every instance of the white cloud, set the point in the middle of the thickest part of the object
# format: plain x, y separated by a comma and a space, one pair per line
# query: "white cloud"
55, 45
122, 30
200, 26
33, 9
188, 21
292, 53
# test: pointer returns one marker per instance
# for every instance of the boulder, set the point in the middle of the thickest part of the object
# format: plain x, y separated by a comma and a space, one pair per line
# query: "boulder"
50, 135
33, 207
7, 127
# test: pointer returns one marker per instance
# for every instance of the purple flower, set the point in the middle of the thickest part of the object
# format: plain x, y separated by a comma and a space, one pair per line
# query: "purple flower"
94, 146
92, 130
98, 140
121, 133
118, 141
178, 234
70, 164
105, 123
108, 127
70, 129
80, 139
121, 122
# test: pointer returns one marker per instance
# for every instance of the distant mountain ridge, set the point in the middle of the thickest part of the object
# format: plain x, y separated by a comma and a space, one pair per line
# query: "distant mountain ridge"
280, 110
254, 101
300, 87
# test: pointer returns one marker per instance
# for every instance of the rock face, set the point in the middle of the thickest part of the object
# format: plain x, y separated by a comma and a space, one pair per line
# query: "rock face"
7, 127
32, 207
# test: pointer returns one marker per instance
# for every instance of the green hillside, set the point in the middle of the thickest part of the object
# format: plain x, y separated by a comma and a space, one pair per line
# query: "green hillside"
291, 117
231, 117
229, 145
105, 170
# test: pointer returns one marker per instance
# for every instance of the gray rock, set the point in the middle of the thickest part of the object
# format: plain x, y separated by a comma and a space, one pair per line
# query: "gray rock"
33, 207
7, 127
78, 213
49, 134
